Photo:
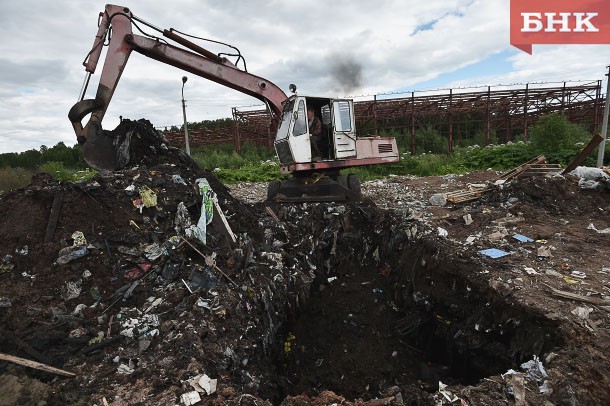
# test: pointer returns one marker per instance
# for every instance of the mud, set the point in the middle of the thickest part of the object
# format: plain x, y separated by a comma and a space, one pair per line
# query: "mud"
333, 303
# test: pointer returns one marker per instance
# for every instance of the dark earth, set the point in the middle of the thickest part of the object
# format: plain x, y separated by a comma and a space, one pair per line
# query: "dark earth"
348, 303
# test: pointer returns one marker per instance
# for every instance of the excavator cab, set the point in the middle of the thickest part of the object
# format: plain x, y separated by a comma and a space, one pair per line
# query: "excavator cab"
319, 178
293, 141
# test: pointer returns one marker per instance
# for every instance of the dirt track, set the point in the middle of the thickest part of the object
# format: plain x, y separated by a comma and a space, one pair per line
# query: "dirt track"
331, 304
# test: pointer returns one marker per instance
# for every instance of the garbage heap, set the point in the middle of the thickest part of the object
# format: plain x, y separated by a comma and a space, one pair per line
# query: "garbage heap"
152, 284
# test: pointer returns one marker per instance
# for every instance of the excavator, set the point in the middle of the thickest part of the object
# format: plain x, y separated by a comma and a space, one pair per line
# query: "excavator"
312, 177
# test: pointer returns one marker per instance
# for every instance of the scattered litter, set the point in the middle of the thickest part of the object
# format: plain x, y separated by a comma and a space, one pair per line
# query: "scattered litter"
534, 371
79, 239
442, 389
569, 280
530, 271
207, 212
438, 200
604, 231
5, 302
544, 252
78, 310
522, 238
545, 388
78, 332
148, 196
442, 232
471, 239
494, 253
124, 369
190, 398
516, 387
578, 274
467, 219
68, 254
137, 271
22, 251
154, 251
71, 290
207, 384
590, 178
178, 180
6, 264
582, 312
154, 304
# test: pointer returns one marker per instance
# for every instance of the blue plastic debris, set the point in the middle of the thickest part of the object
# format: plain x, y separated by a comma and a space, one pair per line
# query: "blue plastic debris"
494, 253
522, 238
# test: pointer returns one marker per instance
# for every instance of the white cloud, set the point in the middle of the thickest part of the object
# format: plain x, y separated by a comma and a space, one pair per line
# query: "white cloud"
397, 44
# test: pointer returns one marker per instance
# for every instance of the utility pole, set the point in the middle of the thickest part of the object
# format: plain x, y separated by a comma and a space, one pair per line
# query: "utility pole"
186, 128
602, 145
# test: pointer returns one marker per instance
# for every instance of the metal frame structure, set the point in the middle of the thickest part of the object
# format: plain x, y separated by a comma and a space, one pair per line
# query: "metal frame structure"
456, 114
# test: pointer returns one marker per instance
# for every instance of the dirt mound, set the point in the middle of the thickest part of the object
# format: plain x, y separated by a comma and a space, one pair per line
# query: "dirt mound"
557, 195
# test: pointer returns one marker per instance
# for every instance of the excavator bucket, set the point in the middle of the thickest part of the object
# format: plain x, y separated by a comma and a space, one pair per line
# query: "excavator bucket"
102, 150
100, 153
106, 150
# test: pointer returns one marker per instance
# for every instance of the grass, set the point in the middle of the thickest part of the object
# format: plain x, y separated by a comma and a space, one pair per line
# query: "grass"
14, 178
60, 172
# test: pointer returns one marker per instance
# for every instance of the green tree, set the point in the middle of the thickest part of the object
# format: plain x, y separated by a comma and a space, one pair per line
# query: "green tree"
428, 139
556, 138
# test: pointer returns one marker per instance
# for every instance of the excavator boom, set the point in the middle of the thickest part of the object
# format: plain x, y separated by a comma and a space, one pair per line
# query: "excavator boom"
103, 152
315, 137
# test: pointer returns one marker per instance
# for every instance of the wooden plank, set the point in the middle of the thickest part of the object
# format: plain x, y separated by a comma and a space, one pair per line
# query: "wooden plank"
223, 223
54, 216
512, 173
582, 155
544, 166
36, 365
579, 298
464, 197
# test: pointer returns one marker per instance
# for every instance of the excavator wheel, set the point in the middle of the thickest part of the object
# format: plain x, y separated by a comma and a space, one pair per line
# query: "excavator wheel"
316, 187
273, 189
353, 183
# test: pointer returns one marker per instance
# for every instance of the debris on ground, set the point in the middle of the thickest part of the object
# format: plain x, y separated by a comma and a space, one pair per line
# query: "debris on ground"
303, 303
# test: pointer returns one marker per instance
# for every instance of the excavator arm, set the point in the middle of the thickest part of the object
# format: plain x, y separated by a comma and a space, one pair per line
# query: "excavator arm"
116, 27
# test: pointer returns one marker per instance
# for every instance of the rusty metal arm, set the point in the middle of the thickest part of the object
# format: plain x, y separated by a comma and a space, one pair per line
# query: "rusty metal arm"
117, 20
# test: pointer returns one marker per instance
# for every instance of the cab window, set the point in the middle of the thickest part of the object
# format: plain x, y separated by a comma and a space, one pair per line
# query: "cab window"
300, 124
342, 116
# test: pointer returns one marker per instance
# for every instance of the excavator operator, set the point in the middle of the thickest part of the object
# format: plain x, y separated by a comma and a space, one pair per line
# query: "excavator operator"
315, 131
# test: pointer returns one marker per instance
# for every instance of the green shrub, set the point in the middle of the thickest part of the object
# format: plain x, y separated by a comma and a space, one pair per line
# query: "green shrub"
499, 157
57, 170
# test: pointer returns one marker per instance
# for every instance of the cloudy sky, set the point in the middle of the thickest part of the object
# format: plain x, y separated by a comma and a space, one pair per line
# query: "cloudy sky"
388, 46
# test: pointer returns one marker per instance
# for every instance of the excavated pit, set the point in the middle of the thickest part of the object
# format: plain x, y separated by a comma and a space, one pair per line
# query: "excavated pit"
414, 319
